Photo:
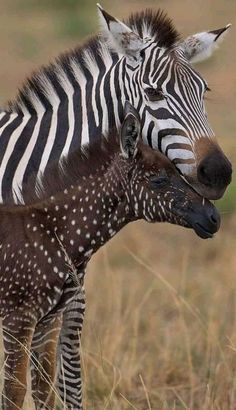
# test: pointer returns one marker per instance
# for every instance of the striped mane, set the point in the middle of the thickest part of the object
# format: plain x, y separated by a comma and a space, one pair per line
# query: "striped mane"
155, 25
152, 24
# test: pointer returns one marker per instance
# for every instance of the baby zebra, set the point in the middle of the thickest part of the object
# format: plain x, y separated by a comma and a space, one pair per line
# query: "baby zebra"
46, 243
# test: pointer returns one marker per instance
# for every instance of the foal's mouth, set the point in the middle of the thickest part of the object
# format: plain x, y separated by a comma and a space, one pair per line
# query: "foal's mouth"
202, 230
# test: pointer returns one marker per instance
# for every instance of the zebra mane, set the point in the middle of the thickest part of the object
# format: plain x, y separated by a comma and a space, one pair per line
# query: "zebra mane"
42, 83
34, 95
74, 169
155, 25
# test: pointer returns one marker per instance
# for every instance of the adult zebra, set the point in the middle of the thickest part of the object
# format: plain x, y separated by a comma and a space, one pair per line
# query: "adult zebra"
82, 94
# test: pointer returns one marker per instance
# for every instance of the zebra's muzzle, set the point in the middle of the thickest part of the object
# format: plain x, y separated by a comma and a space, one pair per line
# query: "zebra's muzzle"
214, 174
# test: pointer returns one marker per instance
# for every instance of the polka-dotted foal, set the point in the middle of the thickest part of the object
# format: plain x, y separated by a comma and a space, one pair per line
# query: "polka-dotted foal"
45, 244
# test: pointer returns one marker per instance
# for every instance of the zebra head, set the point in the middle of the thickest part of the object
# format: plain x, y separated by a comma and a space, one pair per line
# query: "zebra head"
168, 93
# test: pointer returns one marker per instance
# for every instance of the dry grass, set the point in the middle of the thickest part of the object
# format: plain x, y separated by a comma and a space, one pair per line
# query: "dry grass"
160, 324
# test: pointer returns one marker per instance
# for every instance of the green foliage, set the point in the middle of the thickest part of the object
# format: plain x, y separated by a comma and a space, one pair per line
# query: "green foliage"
72, 18
227, 204
26, 45
76, 23
53, 5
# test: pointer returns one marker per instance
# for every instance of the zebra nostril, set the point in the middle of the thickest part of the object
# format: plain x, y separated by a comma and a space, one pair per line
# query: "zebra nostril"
215, 171
203, 174
203, 171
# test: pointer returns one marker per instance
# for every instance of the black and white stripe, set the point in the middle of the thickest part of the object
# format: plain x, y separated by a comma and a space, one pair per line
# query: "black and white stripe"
82, 96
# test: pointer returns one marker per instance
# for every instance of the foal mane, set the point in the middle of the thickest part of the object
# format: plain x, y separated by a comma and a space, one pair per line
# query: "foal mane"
34, 92
75, 168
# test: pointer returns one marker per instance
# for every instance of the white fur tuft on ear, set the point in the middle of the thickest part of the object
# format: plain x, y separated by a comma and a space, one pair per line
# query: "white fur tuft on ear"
120, 37
201, 46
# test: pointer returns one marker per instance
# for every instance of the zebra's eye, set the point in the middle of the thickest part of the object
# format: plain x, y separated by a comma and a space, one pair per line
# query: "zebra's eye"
158, 181
154, 94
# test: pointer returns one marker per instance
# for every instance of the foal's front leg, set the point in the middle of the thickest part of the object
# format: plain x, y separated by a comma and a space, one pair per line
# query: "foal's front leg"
18, 329
43, 365
69, 379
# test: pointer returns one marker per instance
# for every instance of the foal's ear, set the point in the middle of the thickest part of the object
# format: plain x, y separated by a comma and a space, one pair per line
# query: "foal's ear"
130, 132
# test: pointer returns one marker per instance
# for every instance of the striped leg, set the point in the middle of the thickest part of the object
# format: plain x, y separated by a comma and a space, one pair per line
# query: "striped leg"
69, 380
18, 329
43, 364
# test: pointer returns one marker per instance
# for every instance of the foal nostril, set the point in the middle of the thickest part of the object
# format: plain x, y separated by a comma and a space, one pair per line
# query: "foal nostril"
214, 217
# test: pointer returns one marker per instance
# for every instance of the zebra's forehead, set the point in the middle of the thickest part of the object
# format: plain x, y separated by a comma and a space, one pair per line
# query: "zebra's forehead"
160, 65
184, 67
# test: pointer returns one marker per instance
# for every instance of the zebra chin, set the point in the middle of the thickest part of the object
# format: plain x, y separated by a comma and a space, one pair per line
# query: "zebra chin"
211, 174
211, 190
206, 191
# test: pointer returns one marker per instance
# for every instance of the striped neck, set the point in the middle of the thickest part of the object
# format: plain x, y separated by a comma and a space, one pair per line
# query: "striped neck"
72, 105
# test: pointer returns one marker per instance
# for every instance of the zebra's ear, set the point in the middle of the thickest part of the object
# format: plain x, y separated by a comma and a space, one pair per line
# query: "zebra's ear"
201, 46
120, 37
130, 132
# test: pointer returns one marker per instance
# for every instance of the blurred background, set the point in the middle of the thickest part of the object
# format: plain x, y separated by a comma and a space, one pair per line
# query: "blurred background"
160, 329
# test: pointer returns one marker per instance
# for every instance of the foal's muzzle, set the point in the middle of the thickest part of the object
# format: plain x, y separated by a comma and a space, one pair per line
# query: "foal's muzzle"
204, 219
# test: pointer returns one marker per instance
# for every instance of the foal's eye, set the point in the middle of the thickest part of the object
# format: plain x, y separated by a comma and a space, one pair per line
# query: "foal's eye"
157, 181
154, 94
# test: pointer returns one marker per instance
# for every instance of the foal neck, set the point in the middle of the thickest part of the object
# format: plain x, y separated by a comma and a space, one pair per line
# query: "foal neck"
85, 216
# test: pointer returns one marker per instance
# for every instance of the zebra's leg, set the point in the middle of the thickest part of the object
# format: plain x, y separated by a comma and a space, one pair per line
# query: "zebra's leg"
18, 329
69, 378
43, 364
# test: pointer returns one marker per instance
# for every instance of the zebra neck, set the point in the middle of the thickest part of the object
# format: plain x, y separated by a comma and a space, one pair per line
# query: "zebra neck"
74, 107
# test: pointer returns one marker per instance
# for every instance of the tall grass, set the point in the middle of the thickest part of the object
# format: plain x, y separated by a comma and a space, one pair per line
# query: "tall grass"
160, 323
